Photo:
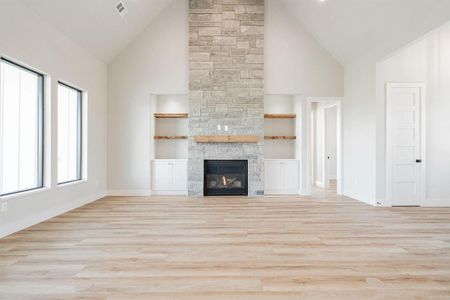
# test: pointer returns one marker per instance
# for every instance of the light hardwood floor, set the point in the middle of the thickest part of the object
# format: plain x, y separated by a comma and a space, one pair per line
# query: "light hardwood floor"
320, 247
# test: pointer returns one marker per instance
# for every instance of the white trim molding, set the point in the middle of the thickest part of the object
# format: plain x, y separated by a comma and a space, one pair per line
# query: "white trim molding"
129, 193
169, 193
436, 202
41, 217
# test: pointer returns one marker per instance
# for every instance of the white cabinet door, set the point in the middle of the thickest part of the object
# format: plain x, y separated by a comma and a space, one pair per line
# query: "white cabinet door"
272, 170
281, 176
169, 177
290, 173
179, 176
161, 176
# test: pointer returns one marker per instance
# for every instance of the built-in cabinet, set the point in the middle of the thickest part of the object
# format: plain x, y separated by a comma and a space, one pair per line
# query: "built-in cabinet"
169, 177
281, 176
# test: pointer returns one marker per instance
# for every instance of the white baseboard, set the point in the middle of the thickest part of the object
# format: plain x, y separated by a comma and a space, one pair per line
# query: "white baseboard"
144, 193
360, 199
286, 193
130, 193
436, 203
48, 214
169, 193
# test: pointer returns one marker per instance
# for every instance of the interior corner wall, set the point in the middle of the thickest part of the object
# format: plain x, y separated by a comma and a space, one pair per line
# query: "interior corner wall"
427, 61
27, 39
295, 63
155, 63
359, 131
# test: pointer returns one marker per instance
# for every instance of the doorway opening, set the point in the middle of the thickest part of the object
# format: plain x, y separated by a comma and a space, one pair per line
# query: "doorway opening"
324, 142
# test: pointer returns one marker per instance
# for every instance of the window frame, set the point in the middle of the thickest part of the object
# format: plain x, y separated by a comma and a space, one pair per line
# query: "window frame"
79, 134
40, 127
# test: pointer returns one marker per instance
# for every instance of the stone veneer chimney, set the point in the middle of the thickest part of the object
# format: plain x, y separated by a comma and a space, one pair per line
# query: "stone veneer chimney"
226, 52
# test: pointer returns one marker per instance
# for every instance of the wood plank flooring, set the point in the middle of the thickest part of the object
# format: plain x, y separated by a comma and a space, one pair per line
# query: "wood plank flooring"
319, 247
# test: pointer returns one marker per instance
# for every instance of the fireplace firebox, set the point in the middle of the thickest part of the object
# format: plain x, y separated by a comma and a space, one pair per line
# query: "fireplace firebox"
225, 178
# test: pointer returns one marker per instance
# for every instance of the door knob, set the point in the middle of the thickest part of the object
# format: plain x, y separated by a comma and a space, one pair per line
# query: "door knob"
418, 161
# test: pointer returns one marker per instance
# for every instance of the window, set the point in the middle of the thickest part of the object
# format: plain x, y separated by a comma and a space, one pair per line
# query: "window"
21, 128
69, 133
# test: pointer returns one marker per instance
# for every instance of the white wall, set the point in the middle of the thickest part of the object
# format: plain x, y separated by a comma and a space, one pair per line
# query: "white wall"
359, 130
27, 39
157, 63
428, 61
295, 63
331, 141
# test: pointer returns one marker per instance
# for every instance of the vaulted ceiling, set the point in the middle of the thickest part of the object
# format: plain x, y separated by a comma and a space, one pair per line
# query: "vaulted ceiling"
346, 28
351, 28
95, 24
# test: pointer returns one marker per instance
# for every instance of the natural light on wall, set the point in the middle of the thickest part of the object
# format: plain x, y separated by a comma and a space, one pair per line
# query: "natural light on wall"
69, 134
21, 128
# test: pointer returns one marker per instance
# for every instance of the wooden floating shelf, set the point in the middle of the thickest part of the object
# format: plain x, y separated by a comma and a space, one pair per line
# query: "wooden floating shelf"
171, 115
226, 139
280, 116
280, 137
162, 137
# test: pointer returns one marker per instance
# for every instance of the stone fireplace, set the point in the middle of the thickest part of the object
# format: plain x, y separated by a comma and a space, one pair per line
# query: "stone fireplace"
226, 83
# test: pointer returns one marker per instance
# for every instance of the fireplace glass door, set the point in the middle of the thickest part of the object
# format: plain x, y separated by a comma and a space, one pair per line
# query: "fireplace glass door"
225, 177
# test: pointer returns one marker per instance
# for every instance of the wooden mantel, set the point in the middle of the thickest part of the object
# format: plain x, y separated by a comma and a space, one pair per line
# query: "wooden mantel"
171, 115
226, 139
280, 116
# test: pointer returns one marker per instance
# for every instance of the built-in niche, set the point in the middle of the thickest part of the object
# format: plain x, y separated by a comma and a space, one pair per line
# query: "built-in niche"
280, 127
170, 126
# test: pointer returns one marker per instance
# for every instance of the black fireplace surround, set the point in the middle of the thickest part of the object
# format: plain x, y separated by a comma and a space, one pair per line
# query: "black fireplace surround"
225, 178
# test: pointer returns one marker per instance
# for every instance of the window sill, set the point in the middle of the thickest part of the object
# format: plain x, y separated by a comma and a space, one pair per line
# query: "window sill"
25, 194
67, 184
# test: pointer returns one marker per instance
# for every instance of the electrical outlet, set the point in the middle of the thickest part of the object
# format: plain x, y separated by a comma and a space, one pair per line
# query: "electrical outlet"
97, 183
4, 207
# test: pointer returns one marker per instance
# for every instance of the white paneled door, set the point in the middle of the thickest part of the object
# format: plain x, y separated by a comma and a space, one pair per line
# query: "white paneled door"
405, 143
